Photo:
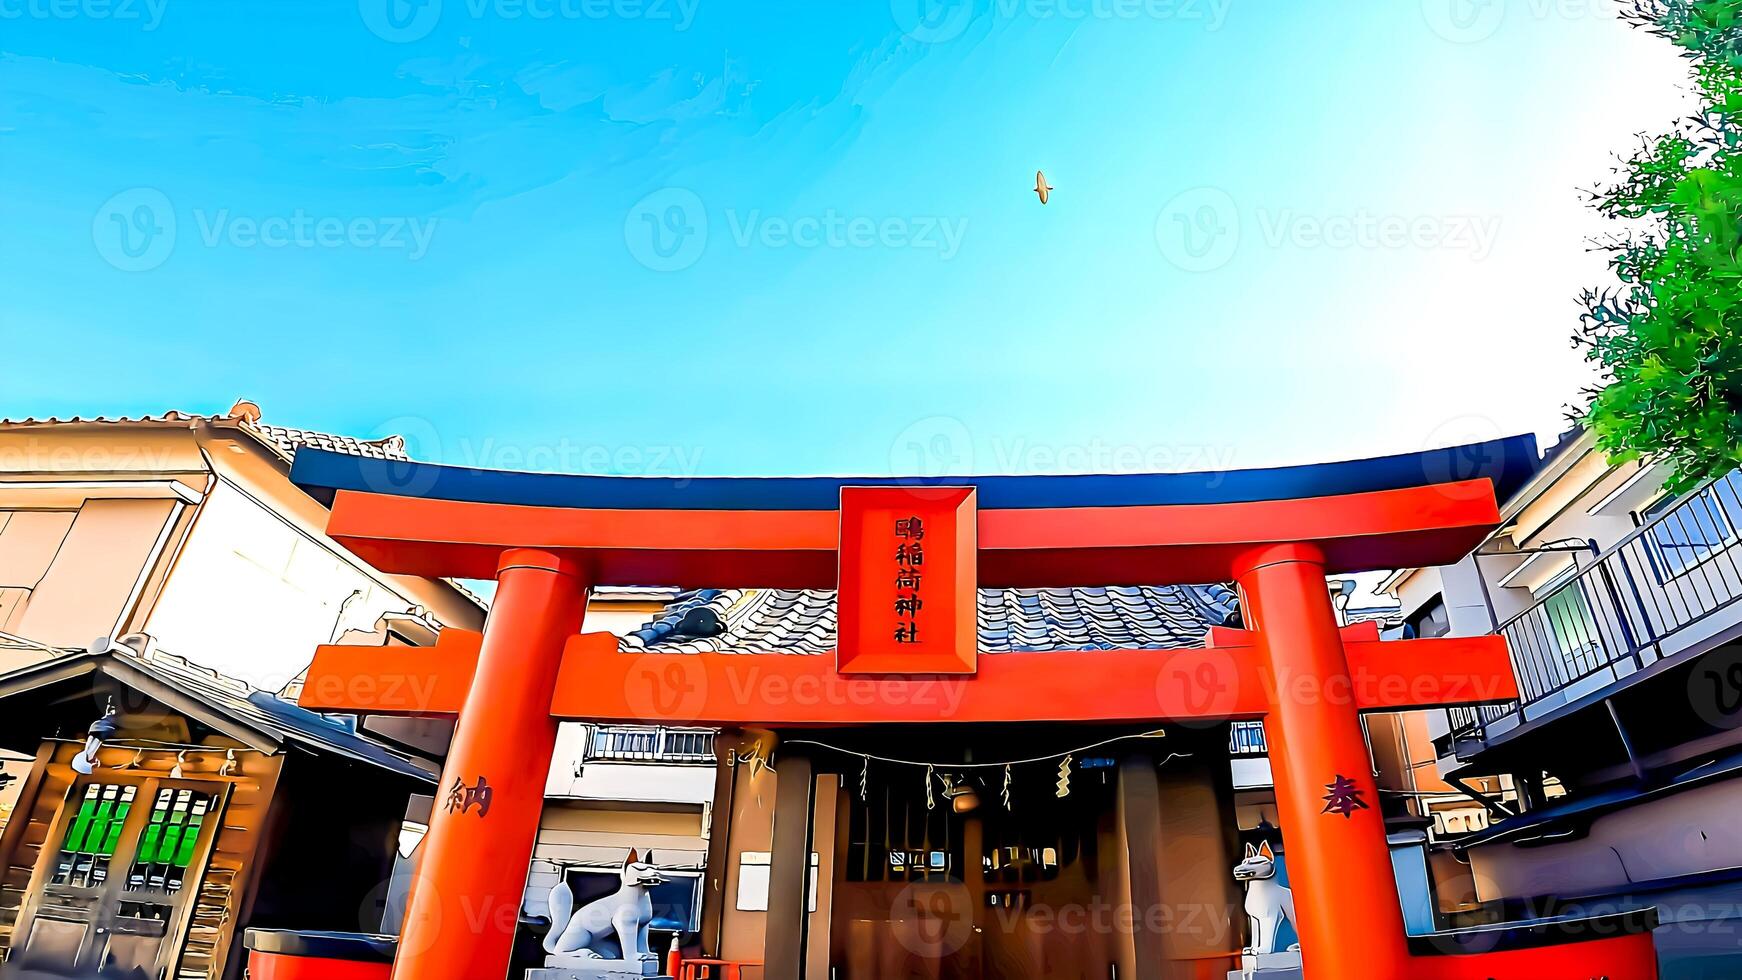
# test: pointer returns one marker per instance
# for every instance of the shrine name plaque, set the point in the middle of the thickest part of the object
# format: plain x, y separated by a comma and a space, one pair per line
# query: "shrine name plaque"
907, 581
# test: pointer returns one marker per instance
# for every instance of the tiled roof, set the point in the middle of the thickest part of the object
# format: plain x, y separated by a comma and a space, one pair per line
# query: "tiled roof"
288, 441
235, 700
803, 621
245, 416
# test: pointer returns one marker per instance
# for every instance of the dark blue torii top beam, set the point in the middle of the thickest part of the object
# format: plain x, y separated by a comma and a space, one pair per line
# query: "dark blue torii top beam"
1508, 462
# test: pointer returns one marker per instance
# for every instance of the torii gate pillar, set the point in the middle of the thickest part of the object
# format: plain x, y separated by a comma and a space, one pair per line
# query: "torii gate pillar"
1338, 872
465, 901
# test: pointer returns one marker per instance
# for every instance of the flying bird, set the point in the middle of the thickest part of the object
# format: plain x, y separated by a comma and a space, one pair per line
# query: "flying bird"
1040, 186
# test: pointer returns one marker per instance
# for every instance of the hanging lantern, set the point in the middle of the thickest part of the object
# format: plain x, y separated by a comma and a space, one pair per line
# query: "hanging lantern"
102, 730
962, 797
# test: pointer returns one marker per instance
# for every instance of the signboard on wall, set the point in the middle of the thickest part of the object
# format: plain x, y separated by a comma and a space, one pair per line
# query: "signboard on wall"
907, 601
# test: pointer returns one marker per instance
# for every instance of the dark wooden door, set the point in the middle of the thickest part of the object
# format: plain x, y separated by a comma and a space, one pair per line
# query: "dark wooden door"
114, 888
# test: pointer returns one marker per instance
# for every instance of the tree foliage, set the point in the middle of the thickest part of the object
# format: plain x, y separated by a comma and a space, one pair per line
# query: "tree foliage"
1668, 334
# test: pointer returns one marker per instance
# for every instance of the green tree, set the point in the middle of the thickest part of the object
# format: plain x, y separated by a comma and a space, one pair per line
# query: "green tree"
1668, 335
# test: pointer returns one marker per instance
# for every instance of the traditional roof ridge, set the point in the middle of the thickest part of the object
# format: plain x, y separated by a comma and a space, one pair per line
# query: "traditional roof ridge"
282, 441
803, 621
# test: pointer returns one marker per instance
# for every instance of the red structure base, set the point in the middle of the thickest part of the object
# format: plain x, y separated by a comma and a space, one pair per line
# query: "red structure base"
282, 954
275, 966
1615, 947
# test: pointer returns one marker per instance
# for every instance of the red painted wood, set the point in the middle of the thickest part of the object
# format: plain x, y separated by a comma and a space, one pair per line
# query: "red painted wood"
1182, 544
942, 633
465, 904
412, 681
600, 684
276, 966
1632, 957
1339, 865
1384, 675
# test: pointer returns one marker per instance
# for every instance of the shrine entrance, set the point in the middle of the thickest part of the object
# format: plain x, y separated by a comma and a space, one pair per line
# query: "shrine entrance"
971, 873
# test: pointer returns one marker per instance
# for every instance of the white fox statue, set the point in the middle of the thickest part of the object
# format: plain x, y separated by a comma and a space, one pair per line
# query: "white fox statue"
1268, 903
610, 928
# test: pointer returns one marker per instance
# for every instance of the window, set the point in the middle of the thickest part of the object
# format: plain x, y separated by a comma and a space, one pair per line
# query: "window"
171, 835
753, 877
1430, 620
1246, 738
1703, 524
1570, 623
92, 834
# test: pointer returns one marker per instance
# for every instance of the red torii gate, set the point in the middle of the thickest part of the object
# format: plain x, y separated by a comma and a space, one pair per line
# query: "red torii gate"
546, 539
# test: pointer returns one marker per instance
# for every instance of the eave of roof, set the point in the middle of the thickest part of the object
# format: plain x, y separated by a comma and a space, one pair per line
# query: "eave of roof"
255, 718
1508, 463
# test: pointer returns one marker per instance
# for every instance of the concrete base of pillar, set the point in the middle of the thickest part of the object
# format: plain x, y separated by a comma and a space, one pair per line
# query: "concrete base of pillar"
581, 968
1269, 966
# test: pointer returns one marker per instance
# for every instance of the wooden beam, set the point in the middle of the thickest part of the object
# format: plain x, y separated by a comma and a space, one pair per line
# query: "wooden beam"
421, 682
1140, 816
1156, 544
790, 866
598, 683
1392, 675
726, 744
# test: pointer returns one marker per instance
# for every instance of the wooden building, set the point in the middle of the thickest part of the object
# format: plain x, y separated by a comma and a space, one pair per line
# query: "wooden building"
932, 858
214, 807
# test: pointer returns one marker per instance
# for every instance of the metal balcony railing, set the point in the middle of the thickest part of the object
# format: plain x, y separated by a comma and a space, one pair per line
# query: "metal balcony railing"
1625, 609
629, 743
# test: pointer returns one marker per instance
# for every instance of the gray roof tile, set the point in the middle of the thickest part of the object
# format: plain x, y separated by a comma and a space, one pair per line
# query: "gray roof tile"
803, 621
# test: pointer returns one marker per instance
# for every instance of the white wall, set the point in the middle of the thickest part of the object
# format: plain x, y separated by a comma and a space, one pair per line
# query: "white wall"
1687, 833
251, 596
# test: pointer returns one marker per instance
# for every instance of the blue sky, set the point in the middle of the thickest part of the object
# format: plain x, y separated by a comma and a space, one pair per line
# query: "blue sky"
700, 236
